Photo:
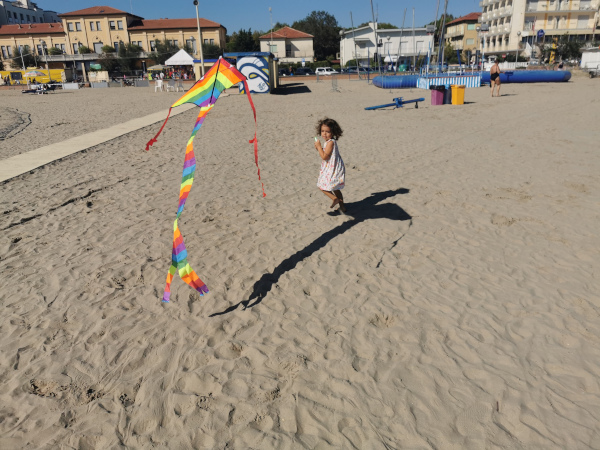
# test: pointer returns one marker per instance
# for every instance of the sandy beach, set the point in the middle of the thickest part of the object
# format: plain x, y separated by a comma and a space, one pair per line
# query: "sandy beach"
455, 306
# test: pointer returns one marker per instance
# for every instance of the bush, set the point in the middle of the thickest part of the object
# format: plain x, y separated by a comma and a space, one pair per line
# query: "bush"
108, 49
83, 49
54, 51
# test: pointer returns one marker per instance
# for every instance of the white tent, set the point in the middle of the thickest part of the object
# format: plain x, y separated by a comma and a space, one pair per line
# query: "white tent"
181, 58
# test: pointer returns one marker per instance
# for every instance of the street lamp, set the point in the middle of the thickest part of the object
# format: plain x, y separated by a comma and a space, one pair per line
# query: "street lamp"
44, 54
271, 40
518, 39
199, 39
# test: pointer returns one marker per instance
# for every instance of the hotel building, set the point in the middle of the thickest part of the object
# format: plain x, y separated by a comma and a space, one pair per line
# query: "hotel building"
514, 24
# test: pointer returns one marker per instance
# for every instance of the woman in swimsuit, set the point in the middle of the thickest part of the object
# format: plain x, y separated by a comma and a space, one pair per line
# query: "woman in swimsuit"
495, 77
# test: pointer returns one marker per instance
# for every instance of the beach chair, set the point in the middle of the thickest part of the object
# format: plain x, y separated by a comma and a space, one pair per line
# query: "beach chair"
171, 85
180, 86
158, 85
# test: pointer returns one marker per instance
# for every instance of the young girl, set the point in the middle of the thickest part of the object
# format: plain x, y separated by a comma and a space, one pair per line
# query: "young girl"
333, 172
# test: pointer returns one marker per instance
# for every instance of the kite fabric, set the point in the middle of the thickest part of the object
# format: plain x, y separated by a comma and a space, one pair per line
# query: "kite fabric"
204, 94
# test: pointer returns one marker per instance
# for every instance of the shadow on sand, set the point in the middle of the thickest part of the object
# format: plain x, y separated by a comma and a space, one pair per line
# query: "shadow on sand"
291, 88
358, 212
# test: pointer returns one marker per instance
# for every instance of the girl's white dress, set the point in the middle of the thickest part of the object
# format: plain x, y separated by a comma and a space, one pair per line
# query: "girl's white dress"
333, 172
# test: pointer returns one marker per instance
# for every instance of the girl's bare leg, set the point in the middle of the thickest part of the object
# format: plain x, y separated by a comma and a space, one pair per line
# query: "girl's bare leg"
340, 197
332, 196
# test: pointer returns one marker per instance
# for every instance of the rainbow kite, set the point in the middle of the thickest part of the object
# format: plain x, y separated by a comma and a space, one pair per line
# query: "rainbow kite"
204, 94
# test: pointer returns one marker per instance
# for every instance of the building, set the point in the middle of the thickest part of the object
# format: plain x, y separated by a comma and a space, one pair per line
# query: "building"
288, 45
514, 24
461, 33
23, 12
359, 44
98, 26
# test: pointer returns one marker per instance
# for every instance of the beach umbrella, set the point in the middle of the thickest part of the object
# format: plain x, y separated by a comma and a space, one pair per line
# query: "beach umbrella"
34, 73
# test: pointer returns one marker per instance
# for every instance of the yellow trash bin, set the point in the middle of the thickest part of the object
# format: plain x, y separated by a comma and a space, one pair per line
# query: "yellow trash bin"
458, 94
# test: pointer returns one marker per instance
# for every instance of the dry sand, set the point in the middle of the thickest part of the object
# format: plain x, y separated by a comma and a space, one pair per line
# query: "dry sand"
455, 307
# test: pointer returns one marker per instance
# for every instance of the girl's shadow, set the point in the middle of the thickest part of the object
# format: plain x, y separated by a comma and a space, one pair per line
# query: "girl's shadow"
358, 211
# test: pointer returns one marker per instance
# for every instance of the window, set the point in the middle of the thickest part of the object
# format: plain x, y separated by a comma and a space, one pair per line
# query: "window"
470, 26
120, 24
75, 48
9, 50
97, 47
470, 41
98, 26
33, 19
15, 15
63, 48
152, 46
212, 41
112, 25
206, 41
4, 54
273, 48
116, 46
92, 26
176, 43
78, 26
70, 26
40, 50
191, 43
22, 18
28, 18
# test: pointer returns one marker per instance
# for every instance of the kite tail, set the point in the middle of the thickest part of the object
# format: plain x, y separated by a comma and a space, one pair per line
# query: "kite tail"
153, 140
180, 263
254, 141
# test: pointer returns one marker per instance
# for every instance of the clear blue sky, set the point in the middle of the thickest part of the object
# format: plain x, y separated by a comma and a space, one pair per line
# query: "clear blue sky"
239, 14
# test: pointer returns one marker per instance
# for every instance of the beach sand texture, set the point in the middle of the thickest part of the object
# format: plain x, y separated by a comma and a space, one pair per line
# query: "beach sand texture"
456, 306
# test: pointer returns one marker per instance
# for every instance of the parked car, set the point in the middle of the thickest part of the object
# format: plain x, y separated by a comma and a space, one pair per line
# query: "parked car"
284, 73
325, 71
304, 71
354, 69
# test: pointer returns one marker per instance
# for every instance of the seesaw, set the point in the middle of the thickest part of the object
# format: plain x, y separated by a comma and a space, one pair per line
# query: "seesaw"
399, 103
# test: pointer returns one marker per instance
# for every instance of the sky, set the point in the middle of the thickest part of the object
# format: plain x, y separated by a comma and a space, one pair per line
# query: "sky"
237, 14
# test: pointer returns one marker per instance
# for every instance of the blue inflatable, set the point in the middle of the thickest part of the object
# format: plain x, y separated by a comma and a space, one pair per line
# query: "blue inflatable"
530, 76
519, 76
396, 81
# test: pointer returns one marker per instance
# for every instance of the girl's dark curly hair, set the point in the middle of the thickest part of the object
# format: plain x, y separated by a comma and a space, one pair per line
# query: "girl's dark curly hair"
335, 128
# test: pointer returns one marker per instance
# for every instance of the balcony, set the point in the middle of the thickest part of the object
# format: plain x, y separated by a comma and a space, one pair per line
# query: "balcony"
507, 12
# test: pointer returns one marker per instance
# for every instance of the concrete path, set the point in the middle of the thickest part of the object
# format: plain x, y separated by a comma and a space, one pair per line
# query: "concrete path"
23, 163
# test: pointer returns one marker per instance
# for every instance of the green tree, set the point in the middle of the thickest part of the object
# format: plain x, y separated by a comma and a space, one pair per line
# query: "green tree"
245, 42
128, 56
211, 51
83, 49
164, 50
325, 30
380, 25
108, 49
24, 51
109, 62
54, 51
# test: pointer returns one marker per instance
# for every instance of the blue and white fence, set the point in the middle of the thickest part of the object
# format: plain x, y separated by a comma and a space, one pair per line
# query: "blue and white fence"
469, 81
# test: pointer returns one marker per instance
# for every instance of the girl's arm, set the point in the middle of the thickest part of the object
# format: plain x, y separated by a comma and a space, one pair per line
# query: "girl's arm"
325, 154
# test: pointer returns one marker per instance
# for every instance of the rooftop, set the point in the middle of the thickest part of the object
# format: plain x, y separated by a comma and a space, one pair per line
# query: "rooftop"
286, 33
472, 17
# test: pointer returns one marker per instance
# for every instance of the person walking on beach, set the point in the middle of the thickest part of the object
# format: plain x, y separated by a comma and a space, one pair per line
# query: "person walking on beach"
332, 177
495, 77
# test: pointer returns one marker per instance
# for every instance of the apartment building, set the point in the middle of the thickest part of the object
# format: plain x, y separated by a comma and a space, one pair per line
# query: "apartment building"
515, 23
98, 26
359, 44
24, 12
461, 33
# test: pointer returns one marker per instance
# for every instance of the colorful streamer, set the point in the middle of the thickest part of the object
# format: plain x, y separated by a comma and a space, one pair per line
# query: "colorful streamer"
204, 94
